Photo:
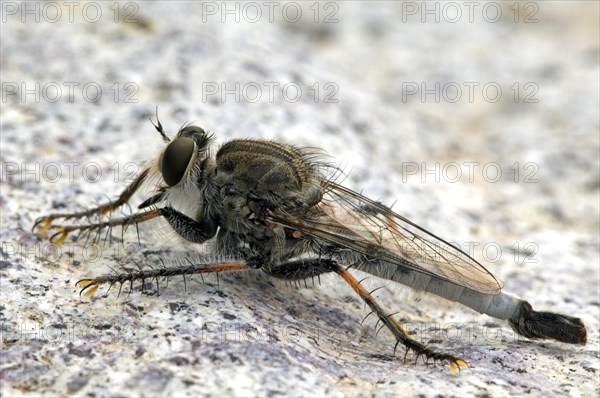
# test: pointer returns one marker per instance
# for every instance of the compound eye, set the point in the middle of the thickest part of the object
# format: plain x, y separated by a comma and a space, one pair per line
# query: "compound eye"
175, 160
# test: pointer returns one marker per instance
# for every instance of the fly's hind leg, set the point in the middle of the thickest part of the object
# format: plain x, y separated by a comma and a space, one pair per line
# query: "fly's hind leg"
308, 268
397, 330
44, 223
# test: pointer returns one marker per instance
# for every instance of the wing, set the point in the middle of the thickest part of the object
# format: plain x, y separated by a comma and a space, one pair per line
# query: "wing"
351, 220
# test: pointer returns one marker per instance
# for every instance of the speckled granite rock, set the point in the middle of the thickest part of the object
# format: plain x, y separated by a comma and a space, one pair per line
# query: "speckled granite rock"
254, 336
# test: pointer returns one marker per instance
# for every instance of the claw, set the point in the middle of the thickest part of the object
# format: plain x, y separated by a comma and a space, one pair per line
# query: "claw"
84, 282
89, 287
63, 235
456, 364
46, 223
89, 292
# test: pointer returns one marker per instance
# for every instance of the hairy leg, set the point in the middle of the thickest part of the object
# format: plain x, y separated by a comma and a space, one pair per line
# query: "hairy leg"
64, 230
308, 268
293, 270
45, 222
90, 285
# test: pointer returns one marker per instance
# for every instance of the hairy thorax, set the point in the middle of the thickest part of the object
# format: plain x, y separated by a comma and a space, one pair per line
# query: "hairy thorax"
255, 177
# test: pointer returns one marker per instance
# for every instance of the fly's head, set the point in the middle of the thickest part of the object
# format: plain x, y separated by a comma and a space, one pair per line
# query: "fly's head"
181, 167
183, 155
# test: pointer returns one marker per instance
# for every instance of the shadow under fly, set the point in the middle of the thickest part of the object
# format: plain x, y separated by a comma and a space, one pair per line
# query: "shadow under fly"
280, 209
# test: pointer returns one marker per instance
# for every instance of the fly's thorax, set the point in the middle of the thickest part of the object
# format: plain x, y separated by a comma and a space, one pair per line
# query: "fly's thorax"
277, 174
254, 178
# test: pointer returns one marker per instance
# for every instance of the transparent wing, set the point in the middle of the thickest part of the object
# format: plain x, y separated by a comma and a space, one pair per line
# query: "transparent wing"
352, 220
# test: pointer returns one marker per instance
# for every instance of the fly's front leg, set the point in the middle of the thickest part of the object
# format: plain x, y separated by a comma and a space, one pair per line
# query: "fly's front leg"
44, 223
188, 228
63, 231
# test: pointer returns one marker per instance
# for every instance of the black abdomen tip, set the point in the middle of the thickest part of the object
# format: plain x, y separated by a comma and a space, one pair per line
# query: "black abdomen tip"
548, 325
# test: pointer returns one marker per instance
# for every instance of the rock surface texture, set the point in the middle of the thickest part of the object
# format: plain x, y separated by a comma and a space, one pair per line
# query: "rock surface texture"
479, 122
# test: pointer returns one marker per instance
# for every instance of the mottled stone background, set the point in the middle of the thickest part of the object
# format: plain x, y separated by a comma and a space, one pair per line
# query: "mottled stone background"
385, 89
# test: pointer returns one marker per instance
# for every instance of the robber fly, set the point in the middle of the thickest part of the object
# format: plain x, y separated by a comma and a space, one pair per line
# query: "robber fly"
275, 206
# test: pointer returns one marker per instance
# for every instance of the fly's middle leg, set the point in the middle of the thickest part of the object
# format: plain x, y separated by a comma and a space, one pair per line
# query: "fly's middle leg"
301, 269
90, 285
